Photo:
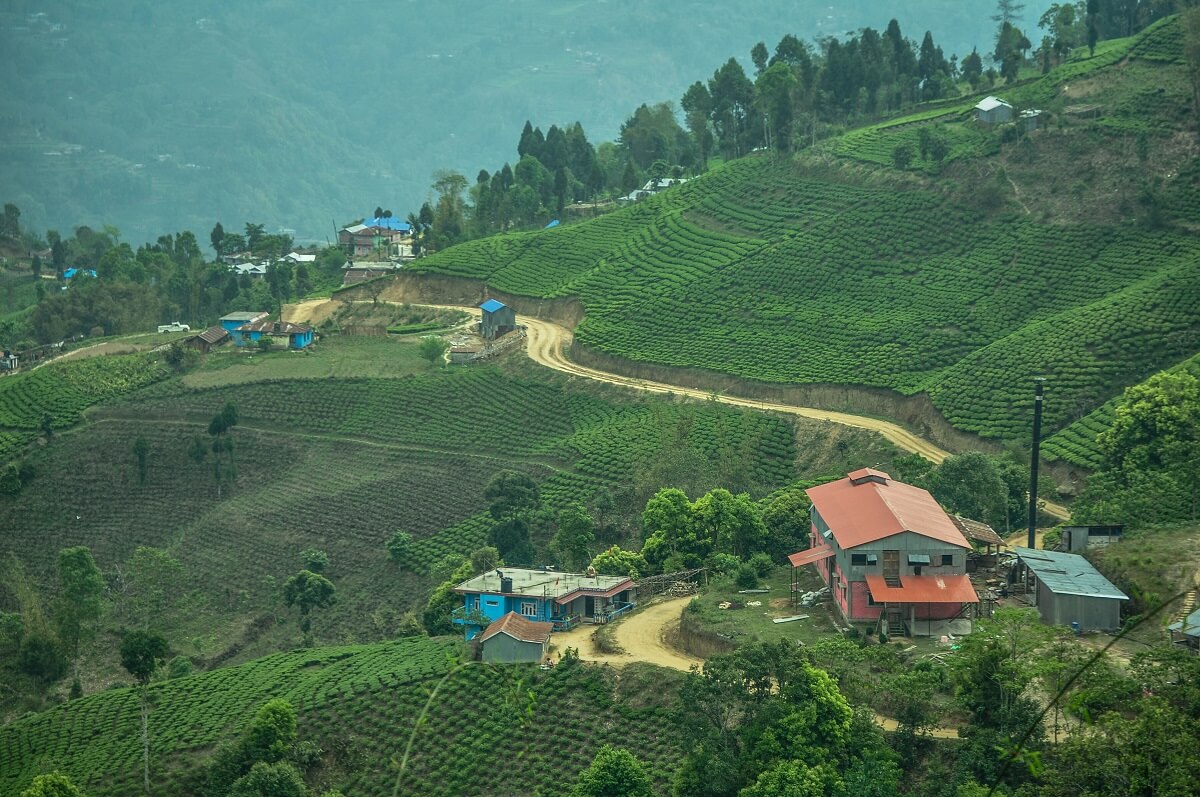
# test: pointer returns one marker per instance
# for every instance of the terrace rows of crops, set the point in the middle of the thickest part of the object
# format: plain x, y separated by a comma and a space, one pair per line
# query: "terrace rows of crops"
782, 272
1077, 443
63, 390
366, 698
96, 739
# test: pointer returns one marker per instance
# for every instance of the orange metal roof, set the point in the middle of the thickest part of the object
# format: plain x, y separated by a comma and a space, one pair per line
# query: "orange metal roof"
923, 589
518, 628
801, 558
870, 511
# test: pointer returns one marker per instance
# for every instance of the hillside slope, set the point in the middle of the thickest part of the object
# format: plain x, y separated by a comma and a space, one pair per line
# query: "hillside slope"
360, 704
165, 117
823, 269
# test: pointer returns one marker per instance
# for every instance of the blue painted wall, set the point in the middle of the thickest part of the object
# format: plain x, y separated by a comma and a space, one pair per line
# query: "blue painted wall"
494, 606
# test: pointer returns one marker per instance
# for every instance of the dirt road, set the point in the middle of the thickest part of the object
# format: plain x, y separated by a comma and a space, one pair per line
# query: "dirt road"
641, 635
547, 343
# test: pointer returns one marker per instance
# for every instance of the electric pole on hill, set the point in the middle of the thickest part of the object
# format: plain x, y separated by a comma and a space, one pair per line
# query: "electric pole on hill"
1038, 384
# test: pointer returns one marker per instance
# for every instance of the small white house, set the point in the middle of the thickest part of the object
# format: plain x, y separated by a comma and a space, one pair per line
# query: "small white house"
993, 111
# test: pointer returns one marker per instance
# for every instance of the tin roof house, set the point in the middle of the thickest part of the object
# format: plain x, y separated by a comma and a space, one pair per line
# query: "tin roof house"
889, 555
542, 595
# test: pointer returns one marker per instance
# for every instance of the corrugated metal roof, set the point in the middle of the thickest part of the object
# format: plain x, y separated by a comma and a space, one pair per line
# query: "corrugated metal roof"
980, 532
214, 334
991, 103
923, 589
491, 306
1191, 622
872, 510
816, 554
1068, 574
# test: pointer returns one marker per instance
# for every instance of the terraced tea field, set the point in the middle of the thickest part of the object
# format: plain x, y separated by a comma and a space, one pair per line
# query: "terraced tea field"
1077, 443
811, 272
63, 390
341, 465
365, 700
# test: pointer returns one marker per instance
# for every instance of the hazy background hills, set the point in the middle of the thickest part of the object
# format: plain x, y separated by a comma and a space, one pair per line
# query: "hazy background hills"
164, 117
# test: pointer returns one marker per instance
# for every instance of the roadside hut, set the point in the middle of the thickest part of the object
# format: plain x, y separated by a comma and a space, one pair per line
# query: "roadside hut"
513, 639
208, 339
1068, 590
498, 318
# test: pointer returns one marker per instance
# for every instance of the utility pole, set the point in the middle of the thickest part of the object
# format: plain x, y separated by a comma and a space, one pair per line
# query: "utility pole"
1038, 383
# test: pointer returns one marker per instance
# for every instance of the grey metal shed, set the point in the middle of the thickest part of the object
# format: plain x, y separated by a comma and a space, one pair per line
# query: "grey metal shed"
1067, 589
498, 318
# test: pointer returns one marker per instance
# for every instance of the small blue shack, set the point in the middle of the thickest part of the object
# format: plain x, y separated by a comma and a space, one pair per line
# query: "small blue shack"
498, 318
296, 336
543, 595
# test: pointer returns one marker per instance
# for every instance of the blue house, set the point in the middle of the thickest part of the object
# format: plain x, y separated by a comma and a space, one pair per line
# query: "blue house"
72, 273
297, 336
543, 595
234, 320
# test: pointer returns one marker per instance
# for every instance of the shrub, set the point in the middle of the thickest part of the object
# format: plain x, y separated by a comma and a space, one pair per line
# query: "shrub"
762, 564
747, 577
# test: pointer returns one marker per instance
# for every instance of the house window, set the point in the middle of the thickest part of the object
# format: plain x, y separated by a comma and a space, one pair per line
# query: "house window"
947, 559
871, 600
492, 602
858, 559
918, 558
529, 609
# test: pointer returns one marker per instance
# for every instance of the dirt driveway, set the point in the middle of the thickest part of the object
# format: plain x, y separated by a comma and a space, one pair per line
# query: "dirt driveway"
641, 635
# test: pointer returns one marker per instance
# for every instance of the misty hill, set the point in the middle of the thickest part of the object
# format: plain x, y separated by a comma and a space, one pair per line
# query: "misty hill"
161, 118
1067, 252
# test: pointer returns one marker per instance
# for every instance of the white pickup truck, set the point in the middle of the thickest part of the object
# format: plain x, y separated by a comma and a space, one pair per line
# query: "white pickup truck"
174, 326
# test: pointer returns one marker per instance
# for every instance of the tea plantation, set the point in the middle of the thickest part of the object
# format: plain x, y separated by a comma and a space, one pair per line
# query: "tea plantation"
360, 704
340, 465
63, 390
818, 270
1077, 443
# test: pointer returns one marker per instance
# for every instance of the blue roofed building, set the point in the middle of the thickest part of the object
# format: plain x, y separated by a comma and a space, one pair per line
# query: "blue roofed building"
542, 595
498, 319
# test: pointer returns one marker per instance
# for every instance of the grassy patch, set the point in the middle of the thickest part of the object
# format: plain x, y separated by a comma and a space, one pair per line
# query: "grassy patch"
1153, 565
336, 356
741, 624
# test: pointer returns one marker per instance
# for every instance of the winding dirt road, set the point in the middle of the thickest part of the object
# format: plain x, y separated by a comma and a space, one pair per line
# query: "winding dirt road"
548, 342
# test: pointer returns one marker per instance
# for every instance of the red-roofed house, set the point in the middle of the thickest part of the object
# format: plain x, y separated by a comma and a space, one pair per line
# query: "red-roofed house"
888, 551
514, 638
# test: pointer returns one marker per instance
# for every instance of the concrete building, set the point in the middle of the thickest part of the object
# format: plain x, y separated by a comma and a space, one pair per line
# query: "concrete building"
889, 554
544, 595
1068, 590
513, 639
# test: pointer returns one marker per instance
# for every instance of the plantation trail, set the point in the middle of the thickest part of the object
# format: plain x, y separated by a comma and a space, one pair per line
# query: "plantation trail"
643, 637
547, 342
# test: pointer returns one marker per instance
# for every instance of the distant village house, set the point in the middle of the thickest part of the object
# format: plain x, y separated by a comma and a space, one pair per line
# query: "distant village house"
514, 639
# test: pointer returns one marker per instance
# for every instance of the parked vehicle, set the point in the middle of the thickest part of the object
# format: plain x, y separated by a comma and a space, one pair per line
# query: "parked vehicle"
174, 326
